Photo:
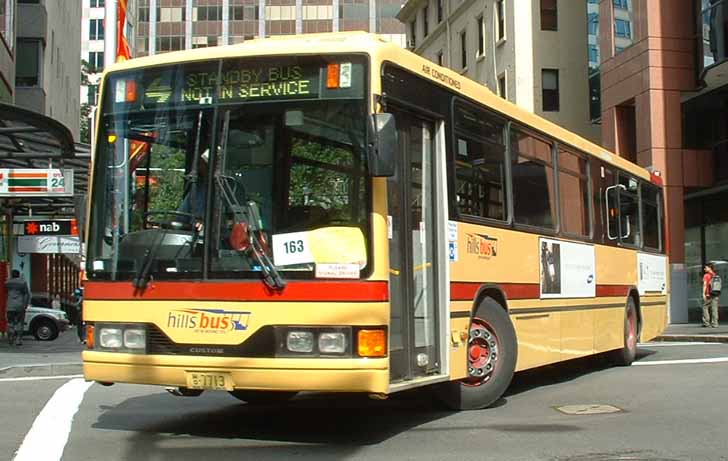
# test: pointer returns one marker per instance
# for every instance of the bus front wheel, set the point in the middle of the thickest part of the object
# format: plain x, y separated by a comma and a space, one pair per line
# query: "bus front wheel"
492, 352
626, 355
262, 397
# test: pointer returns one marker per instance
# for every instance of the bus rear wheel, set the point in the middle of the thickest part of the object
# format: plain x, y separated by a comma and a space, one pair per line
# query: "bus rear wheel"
262, 397
491, 355
626, 355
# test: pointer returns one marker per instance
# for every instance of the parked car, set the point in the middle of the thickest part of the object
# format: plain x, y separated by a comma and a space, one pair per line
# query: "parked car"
44, 323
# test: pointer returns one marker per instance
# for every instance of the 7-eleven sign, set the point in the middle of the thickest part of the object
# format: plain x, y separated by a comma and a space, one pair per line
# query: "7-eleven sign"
36, 182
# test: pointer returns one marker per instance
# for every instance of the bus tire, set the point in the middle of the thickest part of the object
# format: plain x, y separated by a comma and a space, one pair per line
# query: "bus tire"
262, 397
492, 353
626, 355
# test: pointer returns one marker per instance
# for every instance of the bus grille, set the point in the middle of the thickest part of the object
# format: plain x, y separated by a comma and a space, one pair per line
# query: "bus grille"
260, 344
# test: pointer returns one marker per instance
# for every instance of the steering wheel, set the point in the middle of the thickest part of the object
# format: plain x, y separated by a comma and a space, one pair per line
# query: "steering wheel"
175, 220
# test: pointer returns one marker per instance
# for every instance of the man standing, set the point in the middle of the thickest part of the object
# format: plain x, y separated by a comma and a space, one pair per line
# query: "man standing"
18, 299
710, 297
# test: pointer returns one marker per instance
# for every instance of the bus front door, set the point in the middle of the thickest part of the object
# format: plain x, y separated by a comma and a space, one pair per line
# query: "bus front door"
412, 227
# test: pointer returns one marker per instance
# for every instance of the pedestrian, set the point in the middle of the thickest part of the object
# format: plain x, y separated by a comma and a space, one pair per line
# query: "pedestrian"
711, 296
56, 303
18, 299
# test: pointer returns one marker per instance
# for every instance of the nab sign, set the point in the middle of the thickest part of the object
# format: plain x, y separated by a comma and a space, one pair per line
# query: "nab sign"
55, 227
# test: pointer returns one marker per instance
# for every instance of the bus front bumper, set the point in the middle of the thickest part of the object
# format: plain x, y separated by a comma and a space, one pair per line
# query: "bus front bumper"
279, 374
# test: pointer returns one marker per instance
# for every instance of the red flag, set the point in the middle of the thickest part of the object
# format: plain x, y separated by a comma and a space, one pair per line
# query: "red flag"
123, 52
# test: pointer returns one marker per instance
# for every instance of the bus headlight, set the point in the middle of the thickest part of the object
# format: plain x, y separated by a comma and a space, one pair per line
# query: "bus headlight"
332, 343
299, 341
121, 337
135, 338
110, 338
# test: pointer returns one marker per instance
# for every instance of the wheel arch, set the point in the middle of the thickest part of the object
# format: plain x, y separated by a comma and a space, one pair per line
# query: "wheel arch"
493, 291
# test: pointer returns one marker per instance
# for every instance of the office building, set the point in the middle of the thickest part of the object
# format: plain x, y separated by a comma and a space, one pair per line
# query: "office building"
169, 25
531, 52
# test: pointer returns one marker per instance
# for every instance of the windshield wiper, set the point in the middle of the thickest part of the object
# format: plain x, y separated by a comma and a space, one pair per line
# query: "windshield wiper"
141, 278
248, 214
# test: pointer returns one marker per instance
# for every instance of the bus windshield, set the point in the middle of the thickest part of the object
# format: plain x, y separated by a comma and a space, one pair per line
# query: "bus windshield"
277, 135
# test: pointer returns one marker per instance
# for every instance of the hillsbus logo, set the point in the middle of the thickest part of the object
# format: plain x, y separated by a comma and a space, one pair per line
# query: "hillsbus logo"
482, 245
217, 320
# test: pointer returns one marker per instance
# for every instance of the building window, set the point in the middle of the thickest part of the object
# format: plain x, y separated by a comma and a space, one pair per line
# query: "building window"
93, 95
439, 10
7, 22
96, 61
480, 167
481, 36
622, 28
502, 90
550, 89
623, 4
500, 21
27, 64
593, 23
96, 29
425, 22
439, 58
413, 34
464, 49
97, 3
549, 15
593, 55
532, 169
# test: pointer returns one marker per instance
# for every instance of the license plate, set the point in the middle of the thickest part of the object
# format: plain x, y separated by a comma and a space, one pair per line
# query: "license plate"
209, 380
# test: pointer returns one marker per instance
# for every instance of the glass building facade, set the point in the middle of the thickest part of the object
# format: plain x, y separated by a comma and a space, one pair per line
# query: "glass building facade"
169, 25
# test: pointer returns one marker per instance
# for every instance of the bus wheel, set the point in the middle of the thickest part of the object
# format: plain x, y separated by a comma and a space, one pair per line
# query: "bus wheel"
491, 355
262, 397
626, 355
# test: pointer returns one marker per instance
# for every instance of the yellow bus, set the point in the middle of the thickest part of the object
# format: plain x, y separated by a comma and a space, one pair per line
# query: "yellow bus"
333, 213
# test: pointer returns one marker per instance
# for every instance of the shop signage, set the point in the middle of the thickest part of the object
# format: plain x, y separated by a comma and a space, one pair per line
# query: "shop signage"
50, 227
48, 244
36, 182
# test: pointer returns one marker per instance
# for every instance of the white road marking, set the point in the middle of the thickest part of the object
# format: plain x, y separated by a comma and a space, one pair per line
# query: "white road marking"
39, 378
684, 361
673, 344
49, 434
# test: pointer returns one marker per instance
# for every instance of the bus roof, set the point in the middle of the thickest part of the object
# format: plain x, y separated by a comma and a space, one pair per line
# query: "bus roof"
380, 48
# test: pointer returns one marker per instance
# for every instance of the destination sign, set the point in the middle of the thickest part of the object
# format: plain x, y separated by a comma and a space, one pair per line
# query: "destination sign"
235, 84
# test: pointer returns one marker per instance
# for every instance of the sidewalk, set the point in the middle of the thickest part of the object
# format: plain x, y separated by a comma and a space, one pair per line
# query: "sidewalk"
41, 358
695, 332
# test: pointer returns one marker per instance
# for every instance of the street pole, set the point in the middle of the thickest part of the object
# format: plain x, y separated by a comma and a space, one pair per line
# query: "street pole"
110, 33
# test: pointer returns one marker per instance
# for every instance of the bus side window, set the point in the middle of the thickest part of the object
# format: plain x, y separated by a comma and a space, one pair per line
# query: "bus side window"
480, 163
612, 211
651, 216
629, 215
534, 194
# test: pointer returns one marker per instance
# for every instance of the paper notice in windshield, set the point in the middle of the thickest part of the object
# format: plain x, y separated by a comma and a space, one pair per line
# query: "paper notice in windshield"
337, 271
290, 249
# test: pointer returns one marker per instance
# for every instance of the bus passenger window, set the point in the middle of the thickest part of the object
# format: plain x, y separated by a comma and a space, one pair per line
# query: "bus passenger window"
651, 216
479, 164
629, 210
574, 193
534, 195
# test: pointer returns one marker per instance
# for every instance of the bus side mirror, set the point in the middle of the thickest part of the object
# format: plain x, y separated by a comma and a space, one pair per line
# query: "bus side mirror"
382, 136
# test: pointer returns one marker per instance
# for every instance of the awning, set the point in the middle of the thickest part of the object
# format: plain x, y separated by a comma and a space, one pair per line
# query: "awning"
32, 140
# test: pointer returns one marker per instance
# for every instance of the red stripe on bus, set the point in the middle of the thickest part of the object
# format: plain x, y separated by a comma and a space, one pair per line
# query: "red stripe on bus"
612, 290
241, 291
466, 291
